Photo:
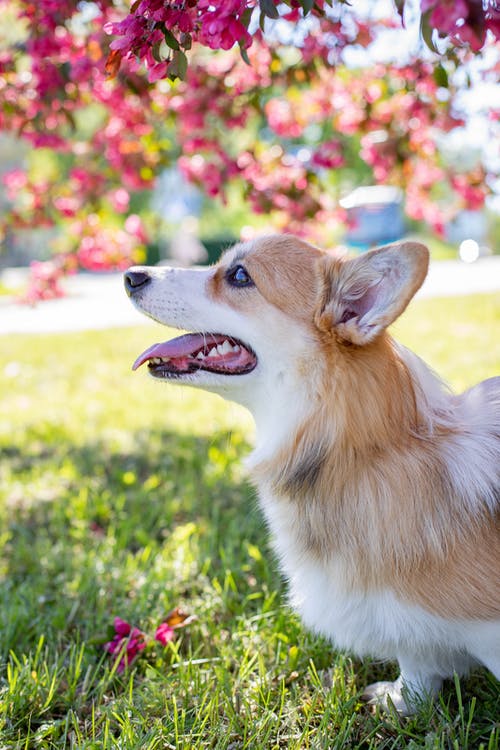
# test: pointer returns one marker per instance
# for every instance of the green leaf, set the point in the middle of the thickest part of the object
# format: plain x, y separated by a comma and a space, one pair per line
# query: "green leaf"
186, 41
155, 51
244, 55
246, 17
400, 6
70, 118
171, 40
307, 6
178, 66
269, 8
441, 76
320, 11
426, 31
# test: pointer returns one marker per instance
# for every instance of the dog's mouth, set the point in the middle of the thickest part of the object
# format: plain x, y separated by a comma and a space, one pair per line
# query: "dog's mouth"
212, 352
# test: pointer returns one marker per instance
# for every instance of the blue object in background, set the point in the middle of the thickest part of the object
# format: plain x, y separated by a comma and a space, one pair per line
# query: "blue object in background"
374, 215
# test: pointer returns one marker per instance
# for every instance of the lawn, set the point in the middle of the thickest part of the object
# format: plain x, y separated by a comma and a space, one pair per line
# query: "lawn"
124, 497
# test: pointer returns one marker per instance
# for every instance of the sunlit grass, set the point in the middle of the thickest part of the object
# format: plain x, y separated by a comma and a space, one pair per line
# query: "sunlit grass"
458, 336
122, 496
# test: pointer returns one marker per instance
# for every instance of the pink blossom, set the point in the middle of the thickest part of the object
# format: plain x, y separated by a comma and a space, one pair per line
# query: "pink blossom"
67, 205
223, 32
126, 644
44, 282
14, 181
120, 200
473, 192
474, 36
387, 115
128, 641
122, 628
135, 227
446, 13
329, 155
464, 21
164, 633
283, 118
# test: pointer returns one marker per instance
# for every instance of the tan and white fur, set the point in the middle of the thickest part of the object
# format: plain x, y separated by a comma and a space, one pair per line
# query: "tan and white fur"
381, 489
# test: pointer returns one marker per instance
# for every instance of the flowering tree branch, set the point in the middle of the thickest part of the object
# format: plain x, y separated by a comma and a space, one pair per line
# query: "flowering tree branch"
161, 34
258, 96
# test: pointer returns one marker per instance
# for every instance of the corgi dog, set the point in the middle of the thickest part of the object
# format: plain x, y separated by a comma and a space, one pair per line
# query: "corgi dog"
381, 489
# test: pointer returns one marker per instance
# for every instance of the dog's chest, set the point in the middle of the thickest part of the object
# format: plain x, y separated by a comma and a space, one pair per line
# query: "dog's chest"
329, 599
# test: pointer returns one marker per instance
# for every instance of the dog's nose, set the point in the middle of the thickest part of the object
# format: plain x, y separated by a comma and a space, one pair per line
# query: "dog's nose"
135, 280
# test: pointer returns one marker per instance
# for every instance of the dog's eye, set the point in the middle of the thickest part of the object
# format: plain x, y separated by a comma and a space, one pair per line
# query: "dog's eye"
239, 276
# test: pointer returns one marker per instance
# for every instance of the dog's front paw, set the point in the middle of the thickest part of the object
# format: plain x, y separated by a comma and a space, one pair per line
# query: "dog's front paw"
386, 695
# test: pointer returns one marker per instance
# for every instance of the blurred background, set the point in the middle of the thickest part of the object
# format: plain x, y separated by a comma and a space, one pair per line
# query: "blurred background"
352, 128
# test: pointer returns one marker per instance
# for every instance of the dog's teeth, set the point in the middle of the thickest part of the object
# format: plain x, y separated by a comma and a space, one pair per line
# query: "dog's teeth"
213, 352
235, 348
200, 355
225, 348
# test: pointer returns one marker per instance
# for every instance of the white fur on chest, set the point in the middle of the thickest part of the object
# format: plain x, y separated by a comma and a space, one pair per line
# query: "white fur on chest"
375, 623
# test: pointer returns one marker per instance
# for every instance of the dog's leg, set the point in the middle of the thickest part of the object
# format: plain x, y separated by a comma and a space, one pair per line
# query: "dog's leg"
417, 681
489, 655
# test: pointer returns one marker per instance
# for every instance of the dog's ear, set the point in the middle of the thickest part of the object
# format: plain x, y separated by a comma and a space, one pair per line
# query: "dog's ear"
366, 294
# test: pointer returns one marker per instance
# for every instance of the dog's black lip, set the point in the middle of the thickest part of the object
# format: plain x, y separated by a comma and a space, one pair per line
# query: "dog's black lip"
164, 371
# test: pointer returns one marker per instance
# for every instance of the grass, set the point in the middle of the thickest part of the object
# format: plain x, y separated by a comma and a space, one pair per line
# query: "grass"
121, 496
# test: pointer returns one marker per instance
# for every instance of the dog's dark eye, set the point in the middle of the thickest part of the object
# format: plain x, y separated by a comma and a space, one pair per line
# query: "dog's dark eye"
239, 276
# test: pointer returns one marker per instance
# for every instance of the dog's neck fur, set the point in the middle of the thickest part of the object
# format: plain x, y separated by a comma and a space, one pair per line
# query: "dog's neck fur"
335, 467
380, 396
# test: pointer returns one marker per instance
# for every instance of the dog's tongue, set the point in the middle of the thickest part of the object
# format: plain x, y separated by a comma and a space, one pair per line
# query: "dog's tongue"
182, 346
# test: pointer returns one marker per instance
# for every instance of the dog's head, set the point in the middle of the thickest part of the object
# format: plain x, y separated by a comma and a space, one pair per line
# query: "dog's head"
260, 317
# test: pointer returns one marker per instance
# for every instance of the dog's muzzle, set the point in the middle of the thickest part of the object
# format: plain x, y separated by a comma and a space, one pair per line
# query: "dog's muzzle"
135, 281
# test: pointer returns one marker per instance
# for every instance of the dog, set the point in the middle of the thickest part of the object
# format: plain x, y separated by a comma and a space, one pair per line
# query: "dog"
381, 489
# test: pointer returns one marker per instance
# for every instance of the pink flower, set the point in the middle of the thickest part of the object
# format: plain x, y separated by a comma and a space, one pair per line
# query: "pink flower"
44, 282
14, 181
223, 32
462, 20
120, 200
134, 226
67, 205
283, 118
446, 14
329, 155
122, 628
164, 633
127, 643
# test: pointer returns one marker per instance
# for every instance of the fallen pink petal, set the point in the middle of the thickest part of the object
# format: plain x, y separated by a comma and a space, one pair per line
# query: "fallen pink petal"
164, 633
122, 628
128, 642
